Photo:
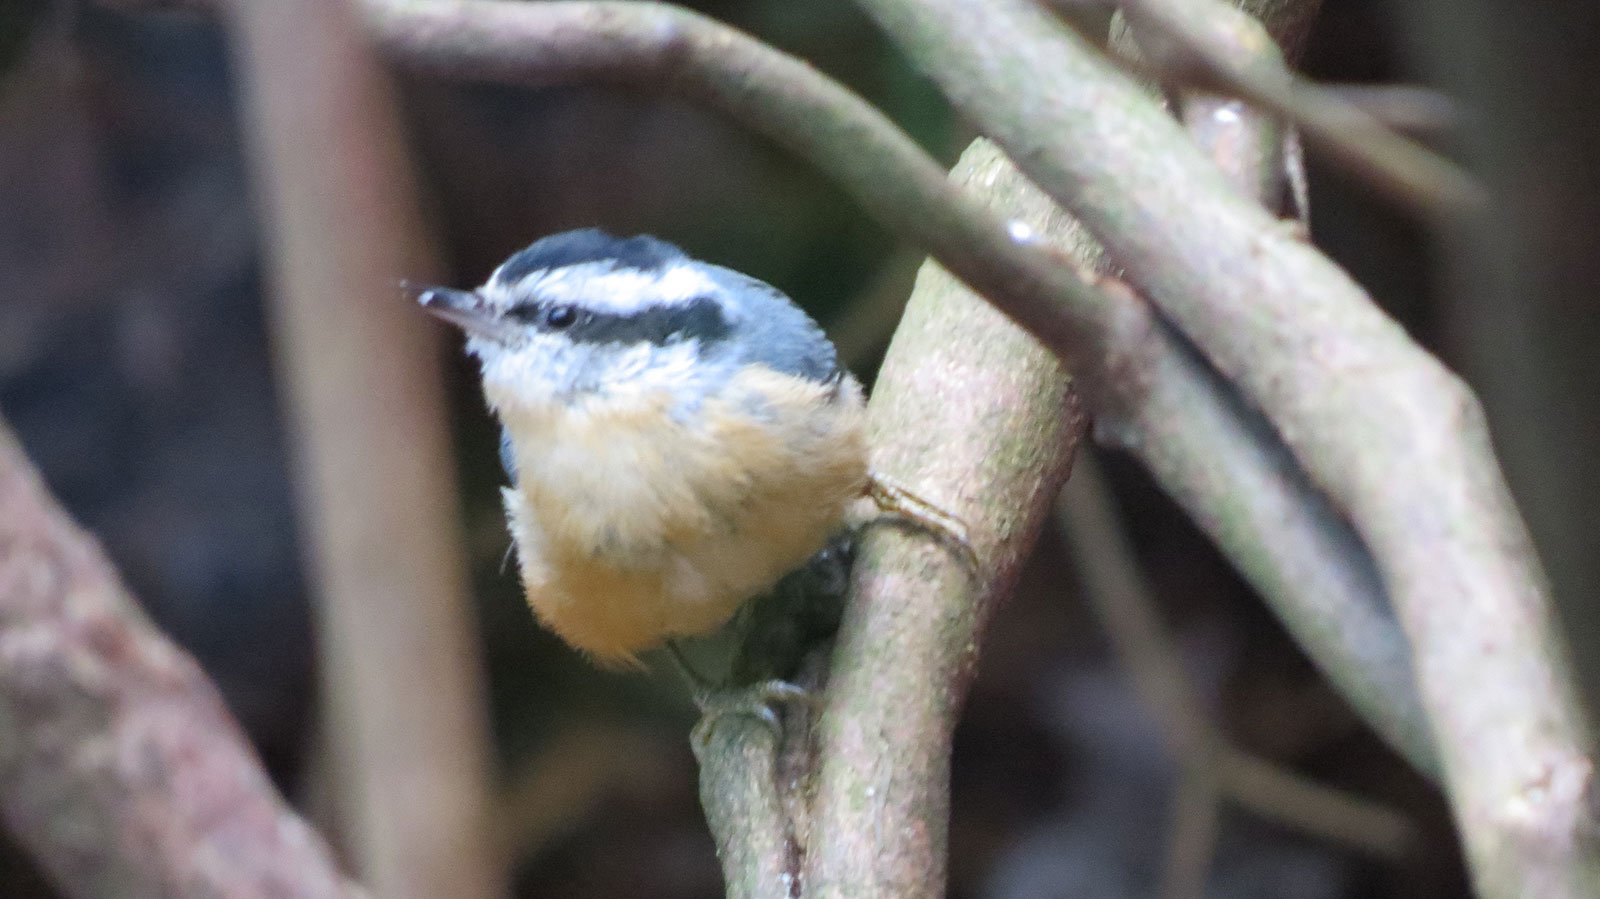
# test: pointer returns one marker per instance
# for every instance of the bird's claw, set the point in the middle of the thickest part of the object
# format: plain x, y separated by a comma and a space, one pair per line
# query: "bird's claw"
759, 701
904, 504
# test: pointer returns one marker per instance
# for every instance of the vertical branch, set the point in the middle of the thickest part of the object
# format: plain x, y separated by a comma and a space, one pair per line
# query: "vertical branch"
1196, 821
120, 768
978, 418
398, 653
740, 793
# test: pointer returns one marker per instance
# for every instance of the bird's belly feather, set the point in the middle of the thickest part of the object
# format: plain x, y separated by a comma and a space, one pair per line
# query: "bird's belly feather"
632, 528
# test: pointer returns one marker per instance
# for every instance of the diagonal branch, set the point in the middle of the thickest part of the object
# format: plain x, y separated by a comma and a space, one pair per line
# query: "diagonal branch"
1222, 463
120, 768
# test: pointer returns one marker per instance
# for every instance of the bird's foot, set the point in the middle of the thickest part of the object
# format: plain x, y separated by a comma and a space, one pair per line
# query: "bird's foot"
759, 702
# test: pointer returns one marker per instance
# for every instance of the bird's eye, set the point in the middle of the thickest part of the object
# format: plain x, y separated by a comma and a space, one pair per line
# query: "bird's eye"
560, 317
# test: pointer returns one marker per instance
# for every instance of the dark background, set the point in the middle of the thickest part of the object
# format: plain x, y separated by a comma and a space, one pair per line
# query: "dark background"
135, 366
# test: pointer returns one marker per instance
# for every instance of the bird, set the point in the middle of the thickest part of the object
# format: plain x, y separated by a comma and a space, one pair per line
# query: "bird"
677, 435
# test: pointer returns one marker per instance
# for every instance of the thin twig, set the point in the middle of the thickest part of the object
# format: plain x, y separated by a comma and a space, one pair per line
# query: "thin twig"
1407, 108
1125, 607
1209, 45
121, 770
1396, 441
375, 480
571, 776
1196, 821
1296, 802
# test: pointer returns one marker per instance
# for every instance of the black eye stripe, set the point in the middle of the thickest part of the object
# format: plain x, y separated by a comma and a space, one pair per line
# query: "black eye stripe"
552, 317
699, 319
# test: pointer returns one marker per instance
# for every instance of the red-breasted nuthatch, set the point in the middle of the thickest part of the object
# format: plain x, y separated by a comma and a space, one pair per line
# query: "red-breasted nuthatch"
678, 435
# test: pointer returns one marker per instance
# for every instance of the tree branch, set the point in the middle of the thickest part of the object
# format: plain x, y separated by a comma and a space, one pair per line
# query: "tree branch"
1406, 108
740, 793
1247, 493
120, 769
397, 642
1210, 45
1397, 441
985, 427
1227, 469
1156, 399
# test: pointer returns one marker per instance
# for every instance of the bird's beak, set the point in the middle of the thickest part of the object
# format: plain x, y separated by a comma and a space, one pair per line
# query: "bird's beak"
463, 308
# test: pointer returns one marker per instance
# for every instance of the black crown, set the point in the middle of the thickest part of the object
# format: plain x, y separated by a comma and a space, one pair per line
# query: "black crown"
644, 253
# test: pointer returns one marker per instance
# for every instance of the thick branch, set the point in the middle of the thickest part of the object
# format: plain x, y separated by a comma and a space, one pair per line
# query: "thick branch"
983, 426
1156, 399
1396, 440
120, 768
1247, 493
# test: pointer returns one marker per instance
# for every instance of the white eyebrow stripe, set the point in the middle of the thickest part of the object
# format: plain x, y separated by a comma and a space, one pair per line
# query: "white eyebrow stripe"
606, 287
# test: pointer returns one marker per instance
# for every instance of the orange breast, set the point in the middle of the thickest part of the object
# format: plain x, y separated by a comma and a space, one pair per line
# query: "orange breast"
632, 528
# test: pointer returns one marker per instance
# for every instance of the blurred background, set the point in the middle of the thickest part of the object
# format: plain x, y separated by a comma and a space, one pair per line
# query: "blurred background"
136, 367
